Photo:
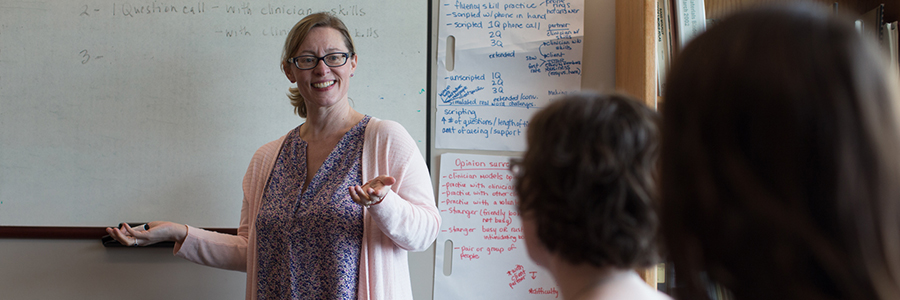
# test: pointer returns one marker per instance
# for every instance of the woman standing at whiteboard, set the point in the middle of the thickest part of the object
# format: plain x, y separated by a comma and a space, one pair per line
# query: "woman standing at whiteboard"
308, 230
585, 187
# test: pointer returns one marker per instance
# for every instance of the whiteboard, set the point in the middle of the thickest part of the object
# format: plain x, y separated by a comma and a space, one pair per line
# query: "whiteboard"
117, 111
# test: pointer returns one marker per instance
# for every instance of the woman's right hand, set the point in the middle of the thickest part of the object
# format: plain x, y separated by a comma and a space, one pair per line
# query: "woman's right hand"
159, 231
373, 192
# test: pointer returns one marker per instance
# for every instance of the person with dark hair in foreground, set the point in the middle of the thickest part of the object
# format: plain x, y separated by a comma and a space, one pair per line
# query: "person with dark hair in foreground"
780, 160
585, 187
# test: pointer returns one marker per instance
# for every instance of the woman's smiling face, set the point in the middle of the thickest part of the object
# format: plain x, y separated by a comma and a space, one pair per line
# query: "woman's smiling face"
322, 86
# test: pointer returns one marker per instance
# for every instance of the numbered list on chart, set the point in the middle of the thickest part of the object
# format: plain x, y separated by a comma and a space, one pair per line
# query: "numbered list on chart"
499, 62
481, 249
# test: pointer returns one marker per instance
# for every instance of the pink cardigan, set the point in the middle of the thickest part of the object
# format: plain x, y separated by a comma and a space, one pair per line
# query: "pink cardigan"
407, 219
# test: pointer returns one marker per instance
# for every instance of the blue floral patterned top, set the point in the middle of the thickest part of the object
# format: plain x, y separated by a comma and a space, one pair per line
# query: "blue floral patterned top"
309, 241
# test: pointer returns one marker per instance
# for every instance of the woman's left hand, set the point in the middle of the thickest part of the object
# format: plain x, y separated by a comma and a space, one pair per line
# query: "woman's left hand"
373, 192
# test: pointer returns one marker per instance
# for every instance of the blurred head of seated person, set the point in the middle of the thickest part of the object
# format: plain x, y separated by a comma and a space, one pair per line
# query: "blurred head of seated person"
585, 187
779, 173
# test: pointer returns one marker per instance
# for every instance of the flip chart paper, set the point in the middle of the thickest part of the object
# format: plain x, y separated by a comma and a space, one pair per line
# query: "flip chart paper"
488, 259
511, 58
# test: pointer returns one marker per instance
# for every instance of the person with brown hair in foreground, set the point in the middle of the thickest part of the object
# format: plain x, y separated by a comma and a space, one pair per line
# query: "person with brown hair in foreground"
585, 187
780, 174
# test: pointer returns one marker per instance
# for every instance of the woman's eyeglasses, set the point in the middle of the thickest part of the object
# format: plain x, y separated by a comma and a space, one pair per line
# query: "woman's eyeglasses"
307, 62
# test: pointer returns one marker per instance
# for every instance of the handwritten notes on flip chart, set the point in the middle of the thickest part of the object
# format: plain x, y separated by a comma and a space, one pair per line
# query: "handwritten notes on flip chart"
480, 249
511, 57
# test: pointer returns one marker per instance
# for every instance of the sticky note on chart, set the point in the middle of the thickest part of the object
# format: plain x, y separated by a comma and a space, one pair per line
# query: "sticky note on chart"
480, 251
